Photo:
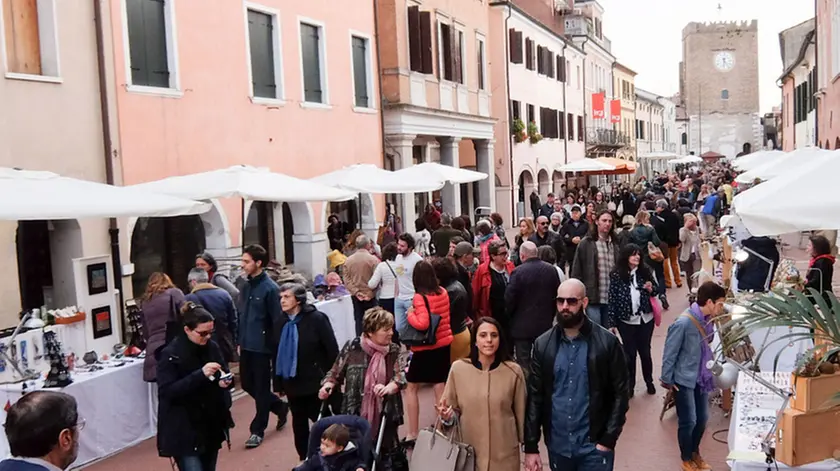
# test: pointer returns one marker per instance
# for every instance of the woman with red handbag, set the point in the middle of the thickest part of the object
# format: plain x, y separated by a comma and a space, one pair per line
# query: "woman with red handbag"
633, 311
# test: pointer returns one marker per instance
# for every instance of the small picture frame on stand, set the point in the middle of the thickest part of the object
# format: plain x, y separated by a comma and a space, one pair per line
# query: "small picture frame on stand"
101, 322
97, 278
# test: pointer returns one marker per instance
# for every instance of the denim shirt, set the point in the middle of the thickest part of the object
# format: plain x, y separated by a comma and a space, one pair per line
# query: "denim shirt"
682, 353
570, 401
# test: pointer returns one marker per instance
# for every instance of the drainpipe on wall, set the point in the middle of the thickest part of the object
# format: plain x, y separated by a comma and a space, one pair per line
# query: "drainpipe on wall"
583, 88
566, 140
105, 116
511, 142
381, 101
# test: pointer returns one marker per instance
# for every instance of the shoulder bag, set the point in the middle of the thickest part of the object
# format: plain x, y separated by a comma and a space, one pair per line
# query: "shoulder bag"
655, 253
173, 324
434, 451
396, 279
412, 337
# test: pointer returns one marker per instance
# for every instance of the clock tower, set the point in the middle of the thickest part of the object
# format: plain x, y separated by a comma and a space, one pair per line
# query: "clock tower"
719, 86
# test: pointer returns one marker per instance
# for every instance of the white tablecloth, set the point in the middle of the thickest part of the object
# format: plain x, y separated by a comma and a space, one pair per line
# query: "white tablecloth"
115, 404
744, 442
340, 312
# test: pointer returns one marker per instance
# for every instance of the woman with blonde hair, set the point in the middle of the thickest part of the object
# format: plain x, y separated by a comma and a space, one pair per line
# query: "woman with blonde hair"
526, 230
161, 303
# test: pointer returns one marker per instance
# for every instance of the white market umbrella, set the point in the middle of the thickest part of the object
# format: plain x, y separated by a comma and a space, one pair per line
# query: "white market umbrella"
444, 173
784, 164
35, 195
756, 159
802, 200
368, 178
660, 154
586, 165
688, 159
248, 183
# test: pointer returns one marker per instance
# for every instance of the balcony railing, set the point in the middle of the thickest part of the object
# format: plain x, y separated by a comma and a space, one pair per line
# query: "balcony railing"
606, 137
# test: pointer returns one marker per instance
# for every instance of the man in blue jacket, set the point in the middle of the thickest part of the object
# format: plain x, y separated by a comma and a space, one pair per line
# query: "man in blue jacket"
259, 318
685, 371
218, 302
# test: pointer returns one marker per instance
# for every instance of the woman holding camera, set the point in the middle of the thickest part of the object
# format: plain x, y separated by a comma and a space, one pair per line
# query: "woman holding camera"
194, 401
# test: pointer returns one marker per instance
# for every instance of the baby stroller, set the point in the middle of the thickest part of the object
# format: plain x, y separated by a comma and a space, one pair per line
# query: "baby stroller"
360, 436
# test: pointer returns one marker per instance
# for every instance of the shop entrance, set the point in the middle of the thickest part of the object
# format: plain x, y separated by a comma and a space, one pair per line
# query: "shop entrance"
45, 253
167, 245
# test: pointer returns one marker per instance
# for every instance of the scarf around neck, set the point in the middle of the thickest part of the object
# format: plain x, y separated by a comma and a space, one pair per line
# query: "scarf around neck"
376, 374
705, 381
826, 256
287, 352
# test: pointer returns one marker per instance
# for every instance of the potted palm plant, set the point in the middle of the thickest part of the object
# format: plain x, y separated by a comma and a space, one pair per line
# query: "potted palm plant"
814, 318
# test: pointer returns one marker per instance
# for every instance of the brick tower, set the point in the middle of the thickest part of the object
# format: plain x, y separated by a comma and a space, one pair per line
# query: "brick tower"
719, 86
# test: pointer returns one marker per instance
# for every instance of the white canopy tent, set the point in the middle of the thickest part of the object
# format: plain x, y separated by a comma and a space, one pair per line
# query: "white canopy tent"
756, 159
36, 195
784, 164
801, 200
431, 171
368, 178
688, 159
248, 183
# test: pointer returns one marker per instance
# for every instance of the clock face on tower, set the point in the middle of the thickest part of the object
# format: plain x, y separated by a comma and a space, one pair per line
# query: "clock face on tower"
724, 61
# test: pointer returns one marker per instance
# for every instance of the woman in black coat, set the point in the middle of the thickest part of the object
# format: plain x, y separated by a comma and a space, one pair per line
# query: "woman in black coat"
821, 266
306, 351
194, 402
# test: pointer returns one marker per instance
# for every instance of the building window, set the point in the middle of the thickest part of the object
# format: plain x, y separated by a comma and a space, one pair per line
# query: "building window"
561, 131
149, 43
482, 66
580, 128
515, 46
420, 40
561, 69
31, 39
529, 54
570, 126
724, 94
577, 78
362, 84
263, 49
835, 33
312, 57
548, 123
531, 117
516, 109
684, 139
450, 52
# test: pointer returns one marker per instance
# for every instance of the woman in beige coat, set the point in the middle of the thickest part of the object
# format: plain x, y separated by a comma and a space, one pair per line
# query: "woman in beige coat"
487, 393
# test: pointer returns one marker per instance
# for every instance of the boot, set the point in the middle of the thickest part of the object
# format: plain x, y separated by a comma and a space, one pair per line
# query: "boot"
700, 463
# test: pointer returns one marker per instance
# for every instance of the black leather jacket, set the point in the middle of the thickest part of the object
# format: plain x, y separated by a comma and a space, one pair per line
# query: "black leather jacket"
608, 386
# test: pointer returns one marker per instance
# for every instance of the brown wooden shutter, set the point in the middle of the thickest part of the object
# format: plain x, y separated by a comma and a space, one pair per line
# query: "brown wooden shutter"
529, 54
415, 53
561, 129
580, 128
519, 47
540, 60
512, 45
23, 44
550, 62
456, 55
561, 69
570, 128
426, 43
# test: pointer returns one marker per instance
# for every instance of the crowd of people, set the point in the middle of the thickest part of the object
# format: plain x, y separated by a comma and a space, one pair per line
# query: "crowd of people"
538, 336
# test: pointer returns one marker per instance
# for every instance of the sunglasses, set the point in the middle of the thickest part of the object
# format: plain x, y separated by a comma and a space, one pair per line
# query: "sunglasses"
570, 301
502, 254
205, 333
543, 224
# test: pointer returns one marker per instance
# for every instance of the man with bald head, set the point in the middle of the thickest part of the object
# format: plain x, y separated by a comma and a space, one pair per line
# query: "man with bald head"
529, 302
577, 389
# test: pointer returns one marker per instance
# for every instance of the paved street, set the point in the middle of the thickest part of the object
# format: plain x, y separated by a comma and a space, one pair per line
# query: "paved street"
646, 444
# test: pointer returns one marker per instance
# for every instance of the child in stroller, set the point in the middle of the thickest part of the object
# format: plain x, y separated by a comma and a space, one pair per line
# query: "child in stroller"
339, 443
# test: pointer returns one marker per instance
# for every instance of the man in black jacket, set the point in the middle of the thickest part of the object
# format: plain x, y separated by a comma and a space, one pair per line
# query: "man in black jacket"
667, 225
529, 301
572, 233
582, 411
548, 208
543, 236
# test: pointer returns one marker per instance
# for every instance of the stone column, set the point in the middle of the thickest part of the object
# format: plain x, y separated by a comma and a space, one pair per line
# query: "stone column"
450, 193
484, 163
403, 146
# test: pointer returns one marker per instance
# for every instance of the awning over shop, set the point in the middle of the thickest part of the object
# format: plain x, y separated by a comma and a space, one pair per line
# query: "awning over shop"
586, 165
246, 182
433, 171
36, 195
751, 161
786, 163
367, 178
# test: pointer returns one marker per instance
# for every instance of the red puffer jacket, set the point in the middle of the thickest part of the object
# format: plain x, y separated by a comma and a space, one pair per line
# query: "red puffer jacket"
419, 318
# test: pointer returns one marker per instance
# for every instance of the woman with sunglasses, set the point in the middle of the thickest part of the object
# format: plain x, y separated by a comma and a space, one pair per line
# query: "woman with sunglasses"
194, 410
486, 392
630, 314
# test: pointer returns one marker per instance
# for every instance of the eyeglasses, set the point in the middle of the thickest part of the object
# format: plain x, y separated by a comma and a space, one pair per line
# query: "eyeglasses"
570, 301
80, 425
502, 253
543, 224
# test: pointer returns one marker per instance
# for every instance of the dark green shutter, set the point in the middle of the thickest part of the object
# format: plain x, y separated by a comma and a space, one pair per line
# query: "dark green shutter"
147, 42
261, 40
360, 72
310, 41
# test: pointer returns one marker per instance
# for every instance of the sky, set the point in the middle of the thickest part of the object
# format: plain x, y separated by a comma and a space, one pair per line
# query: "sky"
647, 36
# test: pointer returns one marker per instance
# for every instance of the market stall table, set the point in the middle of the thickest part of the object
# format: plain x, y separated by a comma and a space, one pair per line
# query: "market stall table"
340, 313
754, 412
115, 403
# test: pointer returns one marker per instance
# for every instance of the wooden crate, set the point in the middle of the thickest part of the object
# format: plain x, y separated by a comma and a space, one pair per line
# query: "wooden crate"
812, 393
807, 437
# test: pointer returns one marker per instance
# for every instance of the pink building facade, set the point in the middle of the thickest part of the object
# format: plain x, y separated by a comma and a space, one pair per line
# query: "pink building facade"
282, 84
828, 94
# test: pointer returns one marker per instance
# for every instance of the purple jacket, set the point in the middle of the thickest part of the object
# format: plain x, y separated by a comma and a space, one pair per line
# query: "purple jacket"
156, 312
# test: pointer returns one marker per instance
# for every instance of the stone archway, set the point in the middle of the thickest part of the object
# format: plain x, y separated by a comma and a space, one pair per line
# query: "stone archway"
526, 184
543, 184
167, 245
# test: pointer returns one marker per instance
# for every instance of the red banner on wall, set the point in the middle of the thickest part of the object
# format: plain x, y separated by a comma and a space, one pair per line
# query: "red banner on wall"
598, 105
615, 111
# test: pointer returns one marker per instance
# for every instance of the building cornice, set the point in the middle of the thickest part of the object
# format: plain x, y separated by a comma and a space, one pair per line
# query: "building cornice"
537, 23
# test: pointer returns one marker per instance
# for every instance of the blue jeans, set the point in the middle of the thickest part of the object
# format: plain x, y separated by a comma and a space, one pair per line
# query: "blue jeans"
692, 415
591, 459
597, 313
400, 312
205, 462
